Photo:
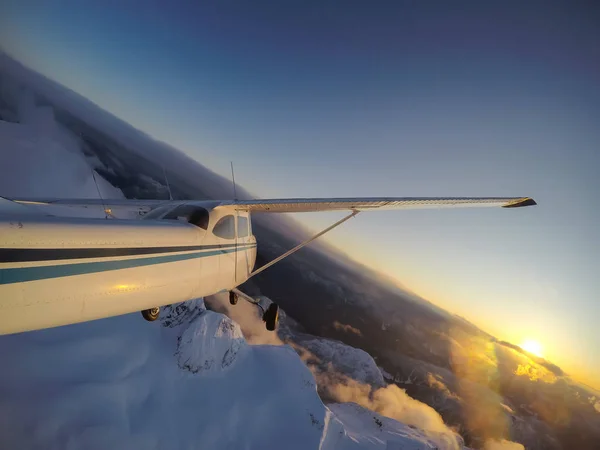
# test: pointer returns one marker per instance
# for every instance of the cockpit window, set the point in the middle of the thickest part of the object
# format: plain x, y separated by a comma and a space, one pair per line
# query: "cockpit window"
157, 213
200, 218
242, 226
195, 215
225, 227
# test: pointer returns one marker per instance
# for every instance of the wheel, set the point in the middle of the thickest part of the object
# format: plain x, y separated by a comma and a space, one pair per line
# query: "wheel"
271, 316
151, 314
233, 298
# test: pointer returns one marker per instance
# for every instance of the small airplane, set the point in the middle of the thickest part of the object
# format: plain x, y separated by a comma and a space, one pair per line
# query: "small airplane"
56, 269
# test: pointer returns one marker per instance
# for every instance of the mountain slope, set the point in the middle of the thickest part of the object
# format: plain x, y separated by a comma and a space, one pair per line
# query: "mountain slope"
192, 383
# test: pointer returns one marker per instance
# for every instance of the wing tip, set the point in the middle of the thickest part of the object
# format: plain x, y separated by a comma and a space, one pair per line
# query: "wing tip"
525, 201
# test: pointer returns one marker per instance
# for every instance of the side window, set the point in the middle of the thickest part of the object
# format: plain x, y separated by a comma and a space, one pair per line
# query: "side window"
242, 226
225, 227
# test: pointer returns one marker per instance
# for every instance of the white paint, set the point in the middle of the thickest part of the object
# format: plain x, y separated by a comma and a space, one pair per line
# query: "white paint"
44, 303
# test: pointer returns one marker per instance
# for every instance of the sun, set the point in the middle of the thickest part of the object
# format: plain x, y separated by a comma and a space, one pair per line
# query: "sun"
532, 347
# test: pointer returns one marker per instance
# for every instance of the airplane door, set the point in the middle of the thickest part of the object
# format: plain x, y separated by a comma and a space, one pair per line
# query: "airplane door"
236, 253
210, 267
224, 232
243, 239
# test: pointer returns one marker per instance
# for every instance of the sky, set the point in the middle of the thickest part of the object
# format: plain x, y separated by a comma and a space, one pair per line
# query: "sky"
329, 99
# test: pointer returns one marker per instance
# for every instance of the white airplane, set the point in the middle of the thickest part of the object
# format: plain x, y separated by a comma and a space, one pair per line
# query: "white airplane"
57, 270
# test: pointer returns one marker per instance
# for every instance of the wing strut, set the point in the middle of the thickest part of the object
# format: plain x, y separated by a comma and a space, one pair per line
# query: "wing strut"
308, 241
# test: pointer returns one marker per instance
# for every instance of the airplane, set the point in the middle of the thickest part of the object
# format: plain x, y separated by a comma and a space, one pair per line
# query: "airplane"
59, 266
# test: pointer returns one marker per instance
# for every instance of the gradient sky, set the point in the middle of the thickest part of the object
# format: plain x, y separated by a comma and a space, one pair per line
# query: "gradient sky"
387, 98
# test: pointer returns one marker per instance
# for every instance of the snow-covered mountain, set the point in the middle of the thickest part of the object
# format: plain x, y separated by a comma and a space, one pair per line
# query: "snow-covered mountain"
354, 363
193, 382
39, 159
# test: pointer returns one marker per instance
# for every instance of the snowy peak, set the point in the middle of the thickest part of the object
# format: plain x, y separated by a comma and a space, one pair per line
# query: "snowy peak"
352, 362
210, 344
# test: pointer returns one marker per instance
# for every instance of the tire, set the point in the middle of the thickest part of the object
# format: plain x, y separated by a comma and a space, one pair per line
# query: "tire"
151, 314
271, 316
233, 298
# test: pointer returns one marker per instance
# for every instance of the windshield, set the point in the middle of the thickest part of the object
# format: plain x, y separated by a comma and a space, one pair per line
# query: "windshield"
157, 213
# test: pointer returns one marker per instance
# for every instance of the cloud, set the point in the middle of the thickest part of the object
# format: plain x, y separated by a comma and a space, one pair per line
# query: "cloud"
248, 317
502, 444
435, 381
393, 402
346, 328
389, 401
43, 158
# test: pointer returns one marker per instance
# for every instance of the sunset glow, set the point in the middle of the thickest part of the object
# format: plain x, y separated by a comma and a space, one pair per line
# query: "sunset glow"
532, 347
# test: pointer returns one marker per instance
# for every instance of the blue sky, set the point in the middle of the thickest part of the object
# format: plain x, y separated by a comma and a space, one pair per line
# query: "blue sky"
399, 98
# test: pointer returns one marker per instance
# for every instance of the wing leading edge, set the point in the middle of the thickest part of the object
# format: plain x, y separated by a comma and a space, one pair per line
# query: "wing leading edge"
292, 205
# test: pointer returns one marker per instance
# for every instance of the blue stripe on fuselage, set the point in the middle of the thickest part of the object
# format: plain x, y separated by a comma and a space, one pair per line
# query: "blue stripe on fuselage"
24, 274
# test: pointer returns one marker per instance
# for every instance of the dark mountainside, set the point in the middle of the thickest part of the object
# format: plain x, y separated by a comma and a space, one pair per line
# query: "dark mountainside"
483, 387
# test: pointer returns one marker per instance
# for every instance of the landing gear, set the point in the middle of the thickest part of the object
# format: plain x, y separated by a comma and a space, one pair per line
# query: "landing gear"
271, 316
151, 314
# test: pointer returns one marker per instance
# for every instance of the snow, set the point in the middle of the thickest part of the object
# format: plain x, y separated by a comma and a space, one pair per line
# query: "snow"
370, 430
115, 383
386, 375
353, 362
40, 158
38, 163
210, 345
172, 159
120, 383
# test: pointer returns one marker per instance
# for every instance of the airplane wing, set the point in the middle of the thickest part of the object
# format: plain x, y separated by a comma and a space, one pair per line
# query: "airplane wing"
85, 202
293, 205
356, 205
84, 207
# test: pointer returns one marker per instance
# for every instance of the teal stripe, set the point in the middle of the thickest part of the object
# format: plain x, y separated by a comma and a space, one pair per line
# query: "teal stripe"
24, 274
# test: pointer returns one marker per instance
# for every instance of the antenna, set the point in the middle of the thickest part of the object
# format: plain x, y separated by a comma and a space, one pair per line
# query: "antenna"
106, 212
167, 181
233, 179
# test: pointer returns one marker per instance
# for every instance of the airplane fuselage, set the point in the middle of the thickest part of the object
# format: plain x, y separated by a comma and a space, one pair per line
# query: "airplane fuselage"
57, 270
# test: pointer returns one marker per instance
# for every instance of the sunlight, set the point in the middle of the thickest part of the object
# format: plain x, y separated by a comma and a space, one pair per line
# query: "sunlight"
532, 347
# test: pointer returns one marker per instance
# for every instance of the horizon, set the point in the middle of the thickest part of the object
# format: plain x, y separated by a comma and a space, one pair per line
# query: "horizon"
443, 254
332, 246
